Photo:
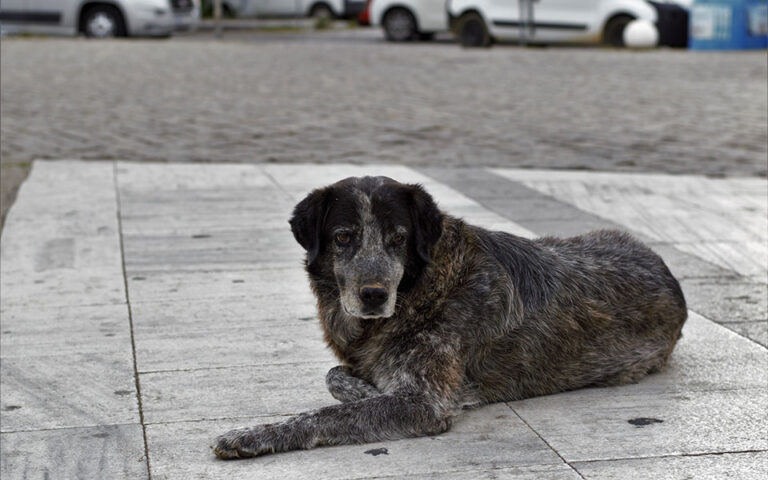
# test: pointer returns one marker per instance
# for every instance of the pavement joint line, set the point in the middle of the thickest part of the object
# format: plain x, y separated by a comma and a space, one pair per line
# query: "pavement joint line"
130, 319
725, 325
692, 242
227, 367
543, 439
671, 455
222, 419
737, 322
56, 306
68, 427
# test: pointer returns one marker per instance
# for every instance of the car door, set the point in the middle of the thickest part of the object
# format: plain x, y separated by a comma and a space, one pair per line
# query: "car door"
13, 14
562, 20
57, 16
432, 16
503, 17
37, 16
278, 8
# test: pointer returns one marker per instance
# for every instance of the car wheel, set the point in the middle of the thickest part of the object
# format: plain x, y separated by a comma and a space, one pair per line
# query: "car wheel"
103, 21
399, 25
472, 32
321, 11
613, 34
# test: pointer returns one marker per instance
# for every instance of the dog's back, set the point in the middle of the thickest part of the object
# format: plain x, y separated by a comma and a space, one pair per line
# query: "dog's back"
596, 309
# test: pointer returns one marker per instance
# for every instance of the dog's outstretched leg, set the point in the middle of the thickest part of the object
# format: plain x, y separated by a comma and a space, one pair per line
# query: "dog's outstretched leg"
421, 399
345, 387
384, 417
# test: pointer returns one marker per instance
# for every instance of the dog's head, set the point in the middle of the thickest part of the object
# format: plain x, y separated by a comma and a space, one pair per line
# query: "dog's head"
371, 236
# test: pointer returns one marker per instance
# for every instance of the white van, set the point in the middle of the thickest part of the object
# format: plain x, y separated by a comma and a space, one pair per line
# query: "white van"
479, 22
98, 18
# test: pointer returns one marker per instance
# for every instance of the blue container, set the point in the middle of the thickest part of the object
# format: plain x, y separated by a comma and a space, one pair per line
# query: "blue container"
728, 25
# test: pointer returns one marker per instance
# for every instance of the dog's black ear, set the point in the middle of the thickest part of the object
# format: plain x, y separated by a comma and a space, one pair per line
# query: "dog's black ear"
307, 222
427, 221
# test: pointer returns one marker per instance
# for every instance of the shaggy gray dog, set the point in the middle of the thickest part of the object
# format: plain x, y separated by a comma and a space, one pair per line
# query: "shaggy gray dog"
428, 315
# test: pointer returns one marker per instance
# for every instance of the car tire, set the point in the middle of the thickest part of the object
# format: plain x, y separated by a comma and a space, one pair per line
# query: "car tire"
321, 11
103, 21
399, 25
613, 33
472, 32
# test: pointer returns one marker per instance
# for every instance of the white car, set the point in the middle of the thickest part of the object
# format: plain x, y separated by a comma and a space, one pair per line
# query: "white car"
293, 8
98, 18
409, 19
479, 22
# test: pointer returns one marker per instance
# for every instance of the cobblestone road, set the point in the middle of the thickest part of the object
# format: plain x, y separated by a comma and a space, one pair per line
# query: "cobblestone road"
326, 97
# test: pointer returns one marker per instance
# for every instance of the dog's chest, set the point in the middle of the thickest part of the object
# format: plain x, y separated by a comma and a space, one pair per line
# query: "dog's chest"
375, 355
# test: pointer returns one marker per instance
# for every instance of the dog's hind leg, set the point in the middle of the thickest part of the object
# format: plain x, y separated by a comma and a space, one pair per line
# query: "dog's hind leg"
345, 387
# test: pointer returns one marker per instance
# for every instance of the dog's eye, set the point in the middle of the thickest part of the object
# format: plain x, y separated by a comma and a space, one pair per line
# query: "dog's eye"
398, 239
343, 238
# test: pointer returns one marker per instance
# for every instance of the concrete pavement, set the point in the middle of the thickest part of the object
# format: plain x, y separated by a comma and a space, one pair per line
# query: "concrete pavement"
147, 308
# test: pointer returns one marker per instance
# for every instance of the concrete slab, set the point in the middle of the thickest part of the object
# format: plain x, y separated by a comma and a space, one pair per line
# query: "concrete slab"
70, 390
64, 248
28, 332
685, 265
708, 357
107, 451
481, 440
598, 425
248, 391
727, 300
744, 466
220, 286
154, 177
232, 347
225, 334
725, 219
166, 317
209, 249
535, 472
756, 331
711, 398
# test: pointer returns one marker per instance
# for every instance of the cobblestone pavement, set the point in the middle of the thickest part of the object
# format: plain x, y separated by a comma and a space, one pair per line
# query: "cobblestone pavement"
349, 96
371, 101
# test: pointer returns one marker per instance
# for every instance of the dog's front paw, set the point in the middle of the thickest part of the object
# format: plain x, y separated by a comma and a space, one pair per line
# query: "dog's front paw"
245, 443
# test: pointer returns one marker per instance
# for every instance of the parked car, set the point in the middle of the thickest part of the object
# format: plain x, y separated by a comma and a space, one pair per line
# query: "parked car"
480, 22
404, 20
99, 18
290, 8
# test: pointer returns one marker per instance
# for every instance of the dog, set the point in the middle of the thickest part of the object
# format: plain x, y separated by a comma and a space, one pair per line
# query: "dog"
428, 315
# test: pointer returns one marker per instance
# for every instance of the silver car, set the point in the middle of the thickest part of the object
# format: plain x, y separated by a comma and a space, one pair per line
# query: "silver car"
98, 19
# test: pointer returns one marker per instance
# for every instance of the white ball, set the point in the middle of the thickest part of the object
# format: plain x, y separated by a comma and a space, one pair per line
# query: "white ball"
641, 34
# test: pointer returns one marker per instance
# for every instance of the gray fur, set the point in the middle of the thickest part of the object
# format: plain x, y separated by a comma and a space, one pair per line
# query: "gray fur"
480, 317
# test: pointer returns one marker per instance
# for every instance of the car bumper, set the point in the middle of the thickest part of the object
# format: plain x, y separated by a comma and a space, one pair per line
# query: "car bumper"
147, 22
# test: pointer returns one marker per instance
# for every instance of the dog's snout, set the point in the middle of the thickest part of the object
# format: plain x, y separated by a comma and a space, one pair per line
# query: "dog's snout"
373, 295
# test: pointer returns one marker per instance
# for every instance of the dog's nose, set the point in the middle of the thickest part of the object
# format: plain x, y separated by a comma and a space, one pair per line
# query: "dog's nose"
373, 295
